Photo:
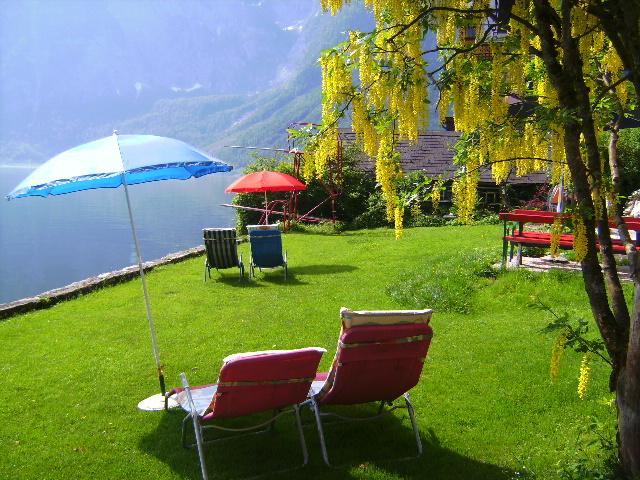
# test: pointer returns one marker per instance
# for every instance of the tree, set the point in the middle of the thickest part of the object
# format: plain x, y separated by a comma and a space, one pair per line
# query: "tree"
533, 85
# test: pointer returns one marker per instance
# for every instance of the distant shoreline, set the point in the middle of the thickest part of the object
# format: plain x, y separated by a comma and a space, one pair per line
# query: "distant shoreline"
51, 297
22, 166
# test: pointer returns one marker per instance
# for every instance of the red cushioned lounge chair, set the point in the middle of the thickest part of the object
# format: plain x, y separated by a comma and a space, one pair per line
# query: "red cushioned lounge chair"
277, 380
379, 359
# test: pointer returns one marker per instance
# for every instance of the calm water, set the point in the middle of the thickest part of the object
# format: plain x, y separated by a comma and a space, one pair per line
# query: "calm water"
50, 242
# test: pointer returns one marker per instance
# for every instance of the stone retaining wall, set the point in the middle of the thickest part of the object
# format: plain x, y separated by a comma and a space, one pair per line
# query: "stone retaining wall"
47, 299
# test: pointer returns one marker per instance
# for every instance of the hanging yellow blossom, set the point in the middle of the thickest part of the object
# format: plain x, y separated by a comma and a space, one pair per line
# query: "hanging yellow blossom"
436, 193
480, 82
585, 375
443, 105
465, 196
579, 238
388, 173
398, 218
556, 354
333, 5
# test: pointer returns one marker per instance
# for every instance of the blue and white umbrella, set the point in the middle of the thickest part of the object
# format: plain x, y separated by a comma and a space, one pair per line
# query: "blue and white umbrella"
120, 160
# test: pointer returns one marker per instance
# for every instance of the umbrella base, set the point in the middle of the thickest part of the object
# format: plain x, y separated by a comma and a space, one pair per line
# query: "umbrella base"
155, 403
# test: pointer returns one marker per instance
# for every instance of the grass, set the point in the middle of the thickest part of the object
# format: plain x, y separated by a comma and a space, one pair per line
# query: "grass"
73, 374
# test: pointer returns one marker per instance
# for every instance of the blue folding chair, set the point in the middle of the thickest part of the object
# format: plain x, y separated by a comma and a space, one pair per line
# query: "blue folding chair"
266, 248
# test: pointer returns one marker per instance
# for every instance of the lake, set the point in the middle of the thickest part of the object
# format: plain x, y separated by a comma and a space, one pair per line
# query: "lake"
50, 242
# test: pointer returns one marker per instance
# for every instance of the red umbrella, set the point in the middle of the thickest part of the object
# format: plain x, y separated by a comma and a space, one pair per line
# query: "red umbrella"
266, 181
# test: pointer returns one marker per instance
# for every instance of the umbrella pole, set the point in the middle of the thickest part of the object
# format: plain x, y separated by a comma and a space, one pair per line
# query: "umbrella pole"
560, 204
147, 301
266, 209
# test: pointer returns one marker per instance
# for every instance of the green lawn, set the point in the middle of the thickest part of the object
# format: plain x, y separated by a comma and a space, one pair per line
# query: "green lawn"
73, 374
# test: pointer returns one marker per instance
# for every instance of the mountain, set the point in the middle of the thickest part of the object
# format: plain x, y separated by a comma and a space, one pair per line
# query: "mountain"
257, 119
209, 73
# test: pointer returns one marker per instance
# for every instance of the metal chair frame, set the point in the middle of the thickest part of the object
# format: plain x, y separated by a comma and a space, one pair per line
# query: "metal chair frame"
252, 267
208, 268
199, 429
385, 408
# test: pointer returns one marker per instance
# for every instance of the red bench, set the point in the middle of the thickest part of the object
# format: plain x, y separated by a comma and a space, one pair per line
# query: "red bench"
522, 238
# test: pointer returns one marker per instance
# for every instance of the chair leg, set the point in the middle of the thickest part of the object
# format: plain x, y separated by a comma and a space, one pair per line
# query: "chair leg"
205, 270
414, 424
198, 431
286, 266
272, 425
185, 422
505, 246
303, 443
323, 444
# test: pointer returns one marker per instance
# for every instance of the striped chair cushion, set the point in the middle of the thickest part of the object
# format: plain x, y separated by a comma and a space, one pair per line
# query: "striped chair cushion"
356, 318
221, 247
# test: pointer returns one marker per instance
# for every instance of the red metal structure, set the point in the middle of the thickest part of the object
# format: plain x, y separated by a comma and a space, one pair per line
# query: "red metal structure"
331, 183
266, 181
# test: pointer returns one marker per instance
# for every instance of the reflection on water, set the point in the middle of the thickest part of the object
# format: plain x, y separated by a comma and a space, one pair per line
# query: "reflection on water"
49, 242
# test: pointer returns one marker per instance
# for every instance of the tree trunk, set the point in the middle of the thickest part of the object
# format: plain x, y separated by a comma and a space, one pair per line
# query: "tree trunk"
574, 69
622, 342
628, 400
564, 84
628, 384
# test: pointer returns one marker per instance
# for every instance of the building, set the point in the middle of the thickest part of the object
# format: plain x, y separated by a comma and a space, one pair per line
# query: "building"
433, 154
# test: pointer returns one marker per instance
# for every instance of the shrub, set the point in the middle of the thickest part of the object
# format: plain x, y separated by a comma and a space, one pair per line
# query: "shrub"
374, 214
357, 189
595, 456
535, 252
487, 218
445, 285
325, 228
423, 220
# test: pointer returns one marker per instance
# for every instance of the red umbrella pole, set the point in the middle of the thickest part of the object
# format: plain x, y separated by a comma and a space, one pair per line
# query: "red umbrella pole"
266, 209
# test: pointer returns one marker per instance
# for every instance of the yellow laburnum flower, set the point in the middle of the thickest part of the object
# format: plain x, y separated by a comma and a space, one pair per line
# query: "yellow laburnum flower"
309, 165
585, 375
436, 193
359, 119
465, 196
443, 105
579, 238
398, 221
611, 61
556, 354
388, 173
333, 5
500, 171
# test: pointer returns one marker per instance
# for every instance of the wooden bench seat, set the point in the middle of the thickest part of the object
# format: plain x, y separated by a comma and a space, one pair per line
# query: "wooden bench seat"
519, 236
543, 239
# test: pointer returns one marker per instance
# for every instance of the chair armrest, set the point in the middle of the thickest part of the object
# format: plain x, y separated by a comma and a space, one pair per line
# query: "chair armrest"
187, 390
